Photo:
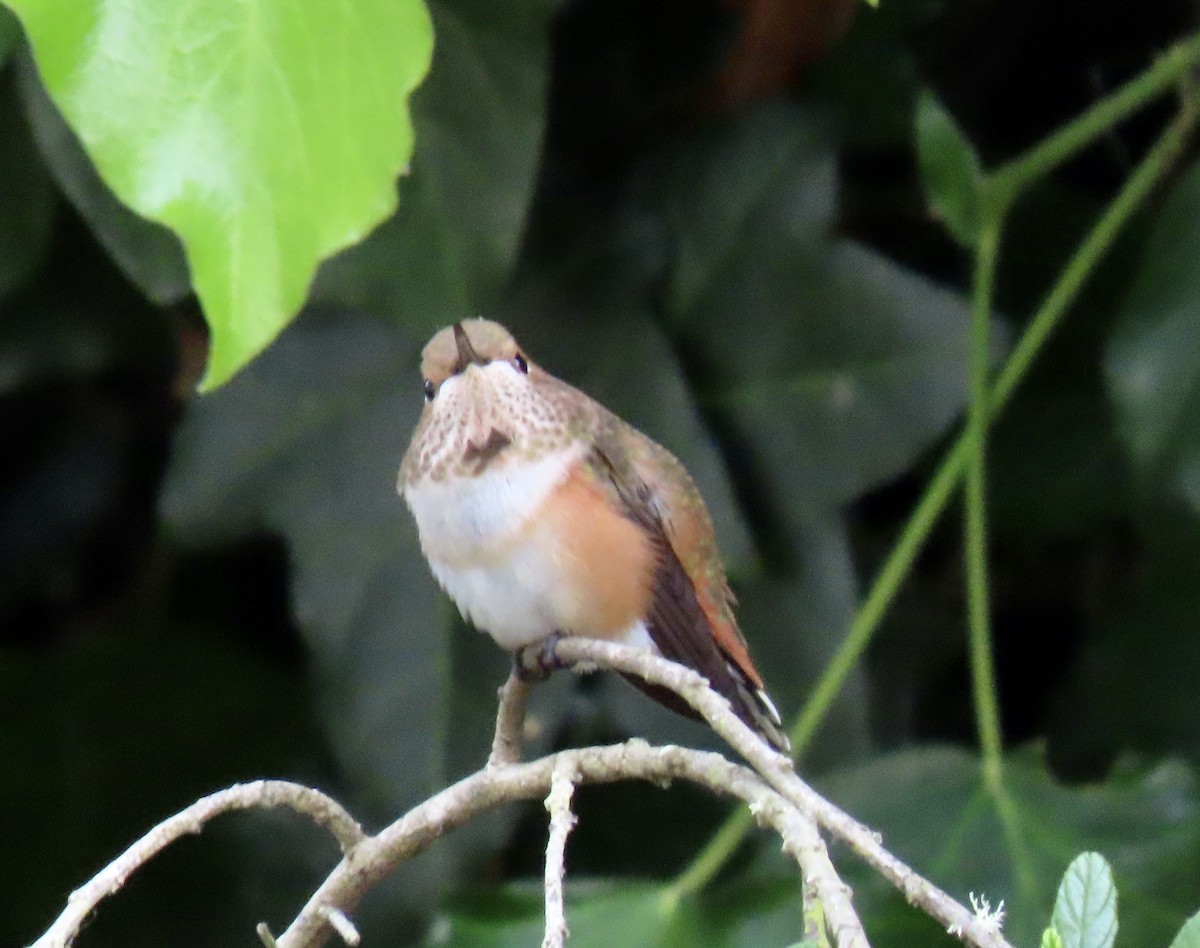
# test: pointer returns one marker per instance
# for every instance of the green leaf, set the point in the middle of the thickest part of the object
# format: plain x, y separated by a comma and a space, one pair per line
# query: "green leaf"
1189, 935
1100, 710
10, 33
1085, 912
143, 723
1153, 358
828, 367
939, 816
764, 910
950, 170
871, 77
628, 914
267, 136
26, 194
1051, 939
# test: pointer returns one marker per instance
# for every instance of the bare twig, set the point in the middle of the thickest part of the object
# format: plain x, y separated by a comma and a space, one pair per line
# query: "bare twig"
562, 820
379, 855
340, 922
510, 721
803, 842
261, 794
777, 770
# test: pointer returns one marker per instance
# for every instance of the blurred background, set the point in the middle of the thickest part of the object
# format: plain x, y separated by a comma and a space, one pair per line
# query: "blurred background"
709, 216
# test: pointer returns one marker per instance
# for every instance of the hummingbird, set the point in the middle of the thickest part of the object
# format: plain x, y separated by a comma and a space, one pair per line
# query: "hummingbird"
542, 513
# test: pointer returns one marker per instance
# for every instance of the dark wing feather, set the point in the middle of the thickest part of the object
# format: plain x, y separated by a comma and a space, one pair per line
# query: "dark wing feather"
676, 621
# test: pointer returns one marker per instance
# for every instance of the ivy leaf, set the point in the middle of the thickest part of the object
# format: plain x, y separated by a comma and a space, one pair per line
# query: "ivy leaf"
950, 170
1085, 912
266, 136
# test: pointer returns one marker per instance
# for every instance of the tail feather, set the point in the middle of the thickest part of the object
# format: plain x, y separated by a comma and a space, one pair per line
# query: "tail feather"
754, 706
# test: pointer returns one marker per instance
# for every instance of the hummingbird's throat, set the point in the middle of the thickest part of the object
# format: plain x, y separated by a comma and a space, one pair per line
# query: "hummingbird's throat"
479, 456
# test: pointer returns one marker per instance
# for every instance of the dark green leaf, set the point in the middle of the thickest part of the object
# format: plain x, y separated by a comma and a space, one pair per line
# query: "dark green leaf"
148, 253
1153, 359
10, 33
950, 170
26, 191
141, 724
753, 913
1085, 912
938, 815
1101, 709
828, 367
871, 76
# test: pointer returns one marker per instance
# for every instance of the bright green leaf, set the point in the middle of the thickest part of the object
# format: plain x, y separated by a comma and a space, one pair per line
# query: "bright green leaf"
950, 170
1051, 939
1085, 912
1189, 935
1153, 359
267, 136
939, 816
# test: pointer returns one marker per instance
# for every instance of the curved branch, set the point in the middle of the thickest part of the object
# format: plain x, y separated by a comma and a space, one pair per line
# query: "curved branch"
261, 794
778, 772
379, 855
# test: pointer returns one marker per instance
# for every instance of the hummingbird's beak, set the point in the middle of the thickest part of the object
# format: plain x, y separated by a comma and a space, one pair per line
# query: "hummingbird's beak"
466, 352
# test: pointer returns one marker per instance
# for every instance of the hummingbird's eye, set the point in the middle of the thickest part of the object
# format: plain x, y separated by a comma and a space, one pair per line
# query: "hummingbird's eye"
521, 364
430, 391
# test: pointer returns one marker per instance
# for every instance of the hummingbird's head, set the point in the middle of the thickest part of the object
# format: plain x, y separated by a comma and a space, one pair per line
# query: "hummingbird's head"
485, 403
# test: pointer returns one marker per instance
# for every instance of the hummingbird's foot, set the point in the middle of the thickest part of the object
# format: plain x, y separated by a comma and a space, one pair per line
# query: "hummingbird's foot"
535, 662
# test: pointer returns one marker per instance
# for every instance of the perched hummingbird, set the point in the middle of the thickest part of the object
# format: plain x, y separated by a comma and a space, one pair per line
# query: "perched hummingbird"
542, 513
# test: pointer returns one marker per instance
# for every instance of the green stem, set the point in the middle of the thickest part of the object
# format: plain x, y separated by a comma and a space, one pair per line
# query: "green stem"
950, 471
1172, 67
987, 706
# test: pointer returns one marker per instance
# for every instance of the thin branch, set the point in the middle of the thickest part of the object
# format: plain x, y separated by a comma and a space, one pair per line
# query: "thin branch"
379, 855
776, 770
510, 721
562, 821
803, 842
340, 922
261, 794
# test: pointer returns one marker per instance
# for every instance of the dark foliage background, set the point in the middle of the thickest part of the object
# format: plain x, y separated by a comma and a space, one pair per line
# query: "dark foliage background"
716, 227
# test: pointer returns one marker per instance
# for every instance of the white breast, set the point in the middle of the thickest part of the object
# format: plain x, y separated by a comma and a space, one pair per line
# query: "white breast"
470, 520
477, 536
